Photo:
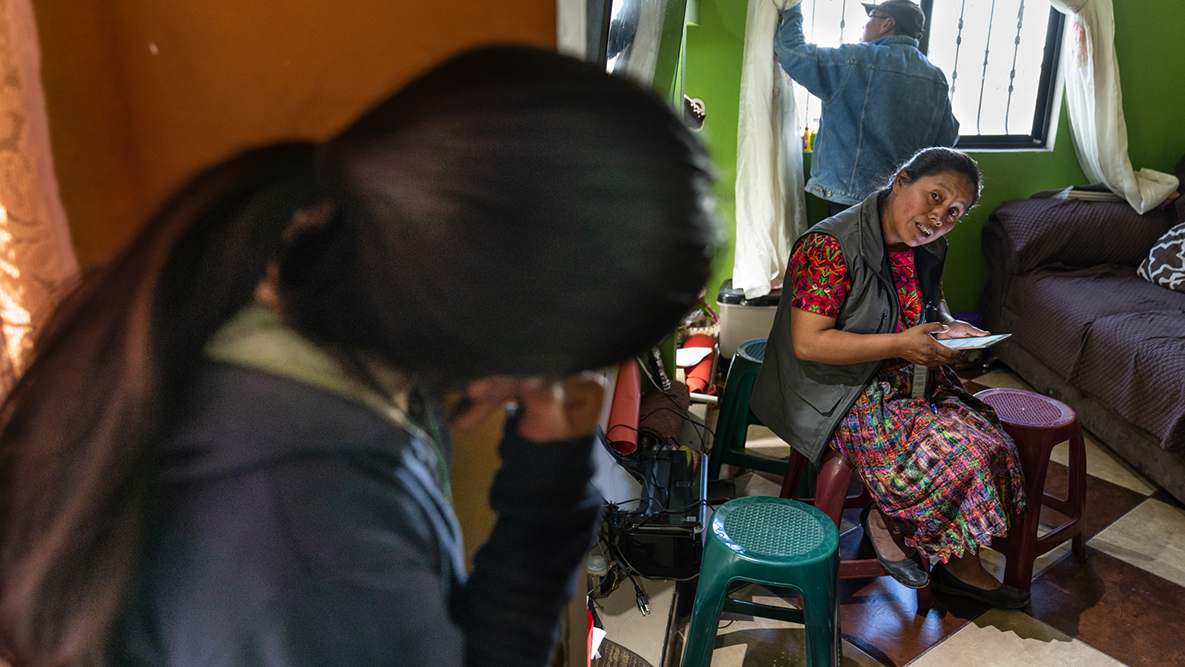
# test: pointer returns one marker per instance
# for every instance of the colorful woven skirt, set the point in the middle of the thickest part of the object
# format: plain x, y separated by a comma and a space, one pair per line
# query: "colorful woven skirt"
941, 469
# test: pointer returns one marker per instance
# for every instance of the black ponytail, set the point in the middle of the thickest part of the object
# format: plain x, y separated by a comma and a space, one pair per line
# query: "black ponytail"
511, 212
77, 431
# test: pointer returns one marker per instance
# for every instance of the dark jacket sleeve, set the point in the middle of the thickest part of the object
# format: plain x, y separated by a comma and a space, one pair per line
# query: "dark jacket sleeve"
354, 559
524, 574
298, 528
376, 554
370, 579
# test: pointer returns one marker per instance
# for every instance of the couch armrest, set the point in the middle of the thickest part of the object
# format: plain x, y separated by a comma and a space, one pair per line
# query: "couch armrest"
1024, 234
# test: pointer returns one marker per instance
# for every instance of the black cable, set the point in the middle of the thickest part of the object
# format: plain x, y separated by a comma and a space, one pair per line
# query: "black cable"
614, 575
640, 596
648, 481
650, 516
613, 519
618, 523
688, 418
602, 434
622, 560
631, 464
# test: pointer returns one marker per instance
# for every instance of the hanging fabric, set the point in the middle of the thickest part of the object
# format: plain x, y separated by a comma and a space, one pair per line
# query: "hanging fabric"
1095, 105
36, 255
770, 202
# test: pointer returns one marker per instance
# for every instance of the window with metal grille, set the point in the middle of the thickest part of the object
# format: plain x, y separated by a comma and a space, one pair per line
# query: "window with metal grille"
999, 56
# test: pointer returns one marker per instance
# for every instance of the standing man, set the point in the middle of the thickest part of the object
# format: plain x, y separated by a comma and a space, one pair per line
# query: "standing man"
882, 100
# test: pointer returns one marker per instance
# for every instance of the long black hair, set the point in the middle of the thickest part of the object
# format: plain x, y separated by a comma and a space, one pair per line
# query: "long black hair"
510, 212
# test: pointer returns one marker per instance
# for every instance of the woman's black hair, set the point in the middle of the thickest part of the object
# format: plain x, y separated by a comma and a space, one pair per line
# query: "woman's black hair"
512, 211
938, 160
530, 199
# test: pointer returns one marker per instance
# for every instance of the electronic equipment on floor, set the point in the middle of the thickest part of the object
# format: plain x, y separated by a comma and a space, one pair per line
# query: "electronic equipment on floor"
663, 536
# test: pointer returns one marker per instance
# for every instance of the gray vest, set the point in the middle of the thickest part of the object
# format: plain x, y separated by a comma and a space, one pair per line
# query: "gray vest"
803, 401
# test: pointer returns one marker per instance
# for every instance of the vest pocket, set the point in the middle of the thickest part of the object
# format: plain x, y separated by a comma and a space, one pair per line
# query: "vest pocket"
821, 397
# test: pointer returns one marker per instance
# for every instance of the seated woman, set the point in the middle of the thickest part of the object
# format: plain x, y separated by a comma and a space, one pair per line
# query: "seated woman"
853, 363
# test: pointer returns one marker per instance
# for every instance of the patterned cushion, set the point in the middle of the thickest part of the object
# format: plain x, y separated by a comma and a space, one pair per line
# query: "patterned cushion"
1165, 263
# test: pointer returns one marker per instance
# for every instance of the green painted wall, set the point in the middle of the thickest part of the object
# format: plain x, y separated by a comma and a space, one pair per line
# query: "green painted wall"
713, 61
1006, 175
1146, 43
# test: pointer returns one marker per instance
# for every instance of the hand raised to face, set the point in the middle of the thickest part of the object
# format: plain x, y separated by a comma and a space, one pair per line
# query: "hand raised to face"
549, 410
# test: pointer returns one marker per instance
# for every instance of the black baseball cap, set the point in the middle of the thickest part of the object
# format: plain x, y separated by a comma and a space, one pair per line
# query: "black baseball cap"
909, 17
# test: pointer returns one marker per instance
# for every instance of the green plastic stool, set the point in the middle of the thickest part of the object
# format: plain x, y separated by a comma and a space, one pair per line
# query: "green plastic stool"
774, 542
728, 446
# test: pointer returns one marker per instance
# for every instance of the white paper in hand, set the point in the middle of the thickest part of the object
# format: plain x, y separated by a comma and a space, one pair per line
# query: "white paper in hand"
974, 342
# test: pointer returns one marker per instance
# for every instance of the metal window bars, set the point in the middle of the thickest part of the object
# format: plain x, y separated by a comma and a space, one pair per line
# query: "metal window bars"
947, 40
987, 48
954, 75
843, 12
1020, 21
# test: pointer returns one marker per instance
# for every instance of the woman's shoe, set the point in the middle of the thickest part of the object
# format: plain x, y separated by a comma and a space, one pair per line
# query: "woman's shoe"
1005, 597
907, 572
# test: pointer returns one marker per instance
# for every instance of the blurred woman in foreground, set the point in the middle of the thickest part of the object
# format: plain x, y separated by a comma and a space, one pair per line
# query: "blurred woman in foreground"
231, 450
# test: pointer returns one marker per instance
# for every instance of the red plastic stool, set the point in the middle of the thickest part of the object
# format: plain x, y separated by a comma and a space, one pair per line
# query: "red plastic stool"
1037, 423
831, 498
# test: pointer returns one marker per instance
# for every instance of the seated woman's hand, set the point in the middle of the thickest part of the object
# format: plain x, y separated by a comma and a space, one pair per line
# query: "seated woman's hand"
920, 347
960, 329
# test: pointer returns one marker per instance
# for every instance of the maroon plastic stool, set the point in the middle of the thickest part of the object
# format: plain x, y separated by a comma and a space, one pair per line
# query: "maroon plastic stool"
831, 498
1037, 423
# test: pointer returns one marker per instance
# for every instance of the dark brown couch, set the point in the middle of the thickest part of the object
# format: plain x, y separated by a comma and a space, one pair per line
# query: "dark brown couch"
1086, 329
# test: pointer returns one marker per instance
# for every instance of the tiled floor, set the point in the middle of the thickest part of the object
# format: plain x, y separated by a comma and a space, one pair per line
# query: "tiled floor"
1123, 605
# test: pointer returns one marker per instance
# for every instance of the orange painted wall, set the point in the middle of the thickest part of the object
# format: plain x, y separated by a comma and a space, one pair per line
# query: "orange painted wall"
88, 111
141, 93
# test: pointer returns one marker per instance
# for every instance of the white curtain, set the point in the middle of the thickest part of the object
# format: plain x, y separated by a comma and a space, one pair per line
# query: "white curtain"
770, 202
640, 57
36, 256
571, 28
1096, 105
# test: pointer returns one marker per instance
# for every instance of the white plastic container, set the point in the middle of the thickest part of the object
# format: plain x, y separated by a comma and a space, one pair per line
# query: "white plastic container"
742, 319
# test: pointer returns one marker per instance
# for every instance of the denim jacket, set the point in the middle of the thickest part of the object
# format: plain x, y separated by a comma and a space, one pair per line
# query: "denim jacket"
882, 102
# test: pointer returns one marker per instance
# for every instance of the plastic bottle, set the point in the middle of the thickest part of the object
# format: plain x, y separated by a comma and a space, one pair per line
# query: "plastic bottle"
597, 569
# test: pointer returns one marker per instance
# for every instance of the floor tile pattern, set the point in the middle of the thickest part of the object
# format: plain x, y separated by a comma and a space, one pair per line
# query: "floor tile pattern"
1123, 605
1120, 609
